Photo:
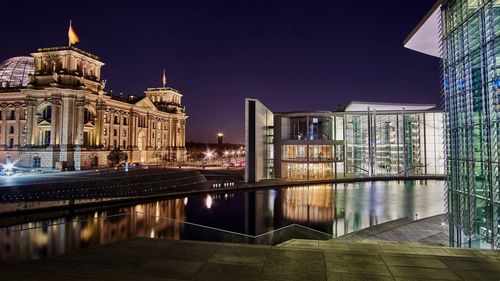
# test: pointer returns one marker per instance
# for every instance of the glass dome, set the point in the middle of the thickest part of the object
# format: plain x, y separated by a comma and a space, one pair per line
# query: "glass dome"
14, 71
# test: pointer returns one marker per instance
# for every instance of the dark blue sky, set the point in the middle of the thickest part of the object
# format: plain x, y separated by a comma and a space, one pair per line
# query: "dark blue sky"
292, 55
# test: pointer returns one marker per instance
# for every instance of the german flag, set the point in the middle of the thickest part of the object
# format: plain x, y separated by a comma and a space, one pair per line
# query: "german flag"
72, 37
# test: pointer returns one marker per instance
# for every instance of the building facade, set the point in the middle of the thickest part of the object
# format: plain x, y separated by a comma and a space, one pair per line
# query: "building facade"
364, 140
54, 113
466, 36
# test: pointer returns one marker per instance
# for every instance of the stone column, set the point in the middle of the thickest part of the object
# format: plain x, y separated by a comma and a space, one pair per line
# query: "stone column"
149, 131
111, 117
30, 121
99, 123
183, 133
176, 122
80, 119
3, 132
162, 139
120, 128
67, 121
133, 130
55, 127
17, 126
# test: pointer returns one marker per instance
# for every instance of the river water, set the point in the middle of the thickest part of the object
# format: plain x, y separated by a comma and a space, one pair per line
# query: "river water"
336, 209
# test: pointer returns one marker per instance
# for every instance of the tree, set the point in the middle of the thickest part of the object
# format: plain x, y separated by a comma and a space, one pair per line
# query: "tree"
116, 157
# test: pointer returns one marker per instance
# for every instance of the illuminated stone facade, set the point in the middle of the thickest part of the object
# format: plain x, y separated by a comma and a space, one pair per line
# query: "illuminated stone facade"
62, 117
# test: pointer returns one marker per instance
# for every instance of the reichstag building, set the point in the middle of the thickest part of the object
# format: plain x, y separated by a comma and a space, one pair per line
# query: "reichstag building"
55, 113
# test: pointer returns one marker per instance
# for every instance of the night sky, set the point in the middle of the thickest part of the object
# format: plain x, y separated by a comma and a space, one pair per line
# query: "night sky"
291, 55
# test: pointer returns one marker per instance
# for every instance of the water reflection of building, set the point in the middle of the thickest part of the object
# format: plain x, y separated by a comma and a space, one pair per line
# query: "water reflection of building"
366, 139
63, 235
308, 204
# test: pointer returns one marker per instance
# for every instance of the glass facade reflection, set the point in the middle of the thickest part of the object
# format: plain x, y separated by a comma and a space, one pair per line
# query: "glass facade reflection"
364, 140
397, 143
465, 34
471, 86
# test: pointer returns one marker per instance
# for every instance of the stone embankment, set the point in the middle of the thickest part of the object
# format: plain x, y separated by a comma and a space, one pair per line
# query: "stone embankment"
104, 187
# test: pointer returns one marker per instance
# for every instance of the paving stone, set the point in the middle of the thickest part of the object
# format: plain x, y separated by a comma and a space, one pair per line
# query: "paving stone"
397, 249
364, 247
219, 270
353, 258
462, 252
426, 273
238, 259
172, 265
188, 260
357, 268
292, 273
478, 275
463, 263
434, 251
358, 277
413, 261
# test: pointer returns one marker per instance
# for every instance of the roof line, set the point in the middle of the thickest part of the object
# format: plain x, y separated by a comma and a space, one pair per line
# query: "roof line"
423, 20
391, 103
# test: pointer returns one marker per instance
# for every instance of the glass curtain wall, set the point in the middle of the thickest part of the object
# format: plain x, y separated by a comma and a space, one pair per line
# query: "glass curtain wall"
393, 144
470, 51
319, 151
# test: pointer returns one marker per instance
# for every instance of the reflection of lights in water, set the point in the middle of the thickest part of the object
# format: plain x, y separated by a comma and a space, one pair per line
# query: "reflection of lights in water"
152, 234
208, 202
185, 201
96, 215
157, 211
225, 196
139, 209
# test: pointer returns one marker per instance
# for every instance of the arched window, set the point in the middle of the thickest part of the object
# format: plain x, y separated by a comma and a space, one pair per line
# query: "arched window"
47, 113
12, 114
88, 117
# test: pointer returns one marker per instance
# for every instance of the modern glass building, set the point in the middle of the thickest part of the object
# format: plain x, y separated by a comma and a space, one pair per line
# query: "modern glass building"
465, 34
364, 140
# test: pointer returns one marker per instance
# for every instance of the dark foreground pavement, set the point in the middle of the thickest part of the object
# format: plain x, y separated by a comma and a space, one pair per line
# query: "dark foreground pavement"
156, 259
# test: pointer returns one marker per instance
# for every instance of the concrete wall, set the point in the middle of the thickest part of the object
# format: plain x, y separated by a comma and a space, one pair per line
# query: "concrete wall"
257, 120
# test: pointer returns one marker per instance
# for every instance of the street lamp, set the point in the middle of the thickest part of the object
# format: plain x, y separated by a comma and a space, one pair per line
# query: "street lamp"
208, 155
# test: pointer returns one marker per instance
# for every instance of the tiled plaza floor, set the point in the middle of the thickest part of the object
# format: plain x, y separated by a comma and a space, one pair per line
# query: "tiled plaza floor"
156, 259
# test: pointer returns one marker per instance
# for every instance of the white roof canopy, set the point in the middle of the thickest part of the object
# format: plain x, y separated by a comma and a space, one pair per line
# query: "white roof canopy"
425, 37
378, 106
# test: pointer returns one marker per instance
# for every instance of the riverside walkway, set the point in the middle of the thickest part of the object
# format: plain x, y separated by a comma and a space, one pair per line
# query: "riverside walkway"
156, 259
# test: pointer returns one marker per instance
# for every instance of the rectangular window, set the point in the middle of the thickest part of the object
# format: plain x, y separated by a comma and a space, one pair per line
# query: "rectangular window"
105, 132
114, 143
115, 121
25, 129
12, 115
125, 121
124, 144
294, 152
105, 118
124, 133
115, 132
